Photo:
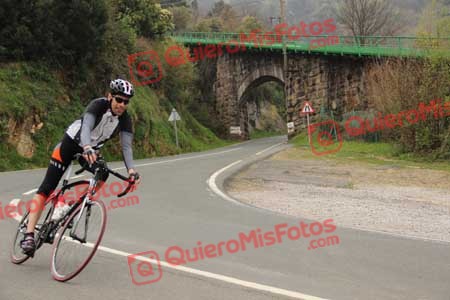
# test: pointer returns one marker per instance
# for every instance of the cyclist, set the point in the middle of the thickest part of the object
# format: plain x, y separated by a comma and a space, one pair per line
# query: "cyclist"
102, 118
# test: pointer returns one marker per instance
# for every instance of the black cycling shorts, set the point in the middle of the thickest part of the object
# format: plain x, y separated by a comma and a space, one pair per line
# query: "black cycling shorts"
62, 156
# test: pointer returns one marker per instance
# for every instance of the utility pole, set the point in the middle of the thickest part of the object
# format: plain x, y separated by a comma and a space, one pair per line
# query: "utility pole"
285, 64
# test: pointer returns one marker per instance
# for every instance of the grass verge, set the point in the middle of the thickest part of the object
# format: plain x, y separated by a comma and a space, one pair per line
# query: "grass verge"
357, 151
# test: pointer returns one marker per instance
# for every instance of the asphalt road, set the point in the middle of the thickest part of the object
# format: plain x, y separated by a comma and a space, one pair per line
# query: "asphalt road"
178, 206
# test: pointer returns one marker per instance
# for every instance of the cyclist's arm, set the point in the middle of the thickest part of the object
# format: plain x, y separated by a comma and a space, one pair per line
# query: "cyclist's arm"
126, 140
86, 128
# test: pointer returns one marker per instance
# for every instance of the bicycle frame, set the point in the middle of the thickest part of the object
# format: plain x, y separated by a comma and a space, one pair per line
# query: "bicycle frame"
86, 201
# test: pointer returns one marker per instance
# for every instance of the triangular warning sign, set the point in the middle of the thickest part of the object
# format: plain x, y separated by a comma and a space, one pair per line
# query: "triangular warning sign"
174, 116
307, 108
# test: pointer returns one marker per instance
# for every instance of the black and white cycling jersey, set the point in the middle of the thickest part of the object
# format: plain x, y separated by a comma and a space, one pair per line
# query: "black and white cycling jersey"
98, 124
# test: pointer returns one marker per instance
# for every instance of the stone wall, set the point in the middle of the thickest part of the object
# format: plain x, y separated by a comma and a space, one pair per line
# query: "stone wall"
317, 78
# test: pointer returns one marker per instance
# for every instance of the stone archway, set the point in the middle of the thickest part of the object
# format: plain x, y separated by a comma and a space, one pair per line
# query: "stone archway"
260, 76
317, 78
251, 82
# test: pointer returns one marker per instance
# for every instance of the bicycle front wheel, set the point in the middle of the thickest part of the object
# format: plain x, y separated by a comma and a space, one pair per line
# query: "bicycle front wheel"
77, 240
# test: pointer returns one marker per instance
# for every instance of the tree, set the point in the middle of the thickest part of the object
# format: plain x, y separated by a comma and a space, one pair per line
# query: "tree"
249, 24
195, 8
182, 17
145, 16
368, 17
435, 19
226, 14
217, 9
210, 25
67, 32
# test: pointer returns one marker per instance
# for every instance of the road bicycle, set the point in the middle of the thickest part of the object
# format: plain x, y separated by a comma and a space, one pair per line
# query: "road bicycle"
78, 233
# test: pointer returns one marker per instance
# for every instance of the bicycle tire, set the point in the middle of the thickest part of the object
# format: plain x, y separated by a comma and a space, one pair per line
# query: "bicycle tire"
16, 255
58, 258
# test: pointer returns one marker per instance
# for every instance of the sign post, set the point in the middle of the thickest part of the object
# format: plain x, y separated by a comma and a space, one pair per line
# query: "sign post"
174, 117
307, 109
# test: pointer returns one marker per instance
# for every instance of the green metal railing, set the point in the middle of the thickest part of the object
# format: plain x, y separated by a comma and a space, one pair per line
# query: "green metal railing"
327, 44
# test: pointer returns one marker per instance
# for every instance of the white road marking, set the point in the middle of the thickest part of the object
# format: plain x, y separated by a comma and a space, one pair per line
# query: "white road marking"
408, 236
14, 202
213, 186
155, 163
232, 280
261, 152
183, 158
30, 192
16, 216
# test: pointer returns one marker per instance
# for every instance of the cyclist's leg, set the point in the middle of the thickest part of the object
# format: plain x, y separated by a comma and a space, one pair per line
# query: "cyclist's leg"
50, 182
61, 158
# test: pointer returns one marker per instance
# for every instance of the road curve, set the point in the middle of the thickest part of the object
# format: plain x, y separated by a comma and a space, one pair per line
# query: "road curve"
181, 203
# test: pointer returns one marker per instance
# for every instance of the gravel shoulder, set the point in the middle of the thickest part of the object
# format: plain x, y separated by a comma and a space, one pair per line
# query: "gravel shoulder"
388, 198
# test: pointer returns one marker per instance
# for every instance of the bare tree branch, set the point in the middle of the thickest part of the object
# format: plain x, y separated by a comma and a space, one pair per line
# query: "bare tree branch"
368, 17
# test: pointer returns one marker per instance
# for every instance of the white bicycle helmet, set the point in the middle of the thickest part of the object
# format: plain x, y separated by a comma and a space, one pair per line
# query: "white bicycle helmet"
123, 87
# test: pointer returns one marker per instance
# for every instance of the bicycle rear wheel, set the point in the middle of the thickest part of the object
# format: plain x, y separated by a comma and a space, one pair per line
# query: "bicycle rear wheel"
16, 254
77, 240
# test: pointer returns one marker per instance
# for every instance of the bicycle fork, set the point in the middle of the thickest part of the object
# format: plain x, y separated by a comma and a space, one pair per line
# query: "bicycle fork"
85, 205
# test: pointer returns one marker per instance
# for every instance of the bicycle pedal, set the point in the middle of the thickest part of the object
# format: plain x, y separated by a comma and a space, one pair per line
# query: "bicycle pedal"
29, 253
49, 239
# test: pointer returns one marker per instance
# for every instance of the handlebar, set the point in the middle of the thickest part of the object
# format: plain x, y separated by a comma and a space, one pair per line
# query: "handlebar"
101, 163
130, 183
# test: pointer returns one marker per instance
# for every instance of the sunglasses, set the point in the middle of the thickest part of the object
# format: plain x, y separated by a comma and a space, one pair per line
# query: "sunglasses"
121, 100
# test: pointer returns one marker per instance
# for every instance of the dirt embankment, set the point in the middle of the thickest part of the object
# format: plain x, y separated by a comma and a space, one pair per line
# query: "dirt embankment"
402, 200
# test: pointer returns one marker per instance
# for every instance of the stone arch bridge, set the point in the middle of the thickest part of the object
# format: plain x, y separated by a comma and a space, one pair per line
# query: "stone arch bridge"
333, 76
319, 79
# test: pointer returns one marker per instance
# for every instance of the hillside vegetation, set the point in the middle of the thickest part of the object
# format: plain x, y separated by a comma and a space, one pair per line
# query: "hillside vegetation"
56, 56
36, 109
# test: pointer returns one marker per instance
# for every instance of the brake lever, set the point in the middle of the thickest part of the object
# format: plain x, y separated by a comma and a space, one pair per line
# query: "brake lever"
131, 183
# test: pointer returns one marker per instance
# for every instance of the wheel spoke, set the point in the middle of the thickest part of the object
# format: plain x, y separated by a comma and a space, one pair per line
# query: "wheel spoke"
70, 255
